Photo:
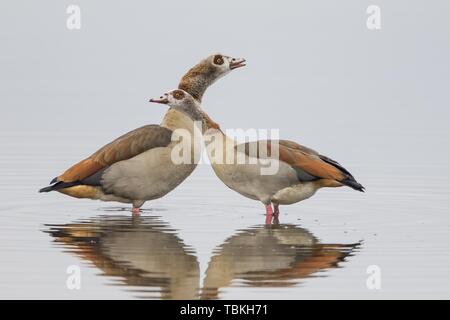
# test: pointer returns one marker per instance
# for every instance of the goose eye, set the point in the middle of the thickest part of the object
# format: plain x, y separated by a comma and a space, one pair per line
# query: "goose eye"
218, 59
178, 95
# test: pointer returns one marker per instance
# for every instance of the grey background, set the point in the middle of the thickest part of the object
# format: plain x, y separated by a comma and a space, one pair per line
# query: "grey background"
376, 101
312, 66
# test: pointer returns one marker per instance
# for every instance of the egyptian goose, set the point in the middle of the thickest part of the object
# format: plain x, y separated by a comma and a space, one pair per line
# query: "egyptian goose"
138, 141
300, 171
137, 166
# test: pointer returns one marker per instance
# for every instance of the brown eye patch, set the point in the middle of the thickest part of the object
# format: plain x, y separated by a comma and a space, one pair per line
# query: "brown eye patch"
178, 94
218, 59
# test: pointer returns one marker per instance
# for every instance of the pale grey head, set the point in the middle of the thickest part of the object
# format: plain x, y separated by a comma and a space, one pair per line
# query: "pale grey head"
182, 101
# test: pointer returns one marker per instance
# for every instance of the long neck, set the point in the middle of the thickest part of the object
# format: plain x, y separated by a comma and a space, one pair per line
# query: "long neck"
175, 119
219, 146
198, 79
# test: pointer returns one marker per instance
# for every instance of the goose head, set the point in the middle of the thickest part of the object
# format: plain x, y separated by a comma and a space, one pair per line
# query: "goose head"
182, 101
208, 71
224, 64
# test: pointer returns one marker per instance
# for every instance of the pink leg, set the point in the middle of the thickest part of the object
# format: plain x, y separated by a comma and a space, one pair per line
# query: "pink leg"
269, 214
136, 211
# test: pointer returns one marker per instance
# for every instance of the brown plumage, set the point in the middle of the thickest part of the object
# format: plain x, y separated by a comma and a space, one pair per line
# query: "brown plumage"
306, 160
197, 79
125, 147
137, 166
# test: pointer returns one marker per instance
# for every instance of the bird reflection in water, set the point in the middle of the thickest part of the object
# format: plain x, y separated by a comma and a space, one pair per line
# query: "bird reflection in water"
153, 262
270, 256
144, 252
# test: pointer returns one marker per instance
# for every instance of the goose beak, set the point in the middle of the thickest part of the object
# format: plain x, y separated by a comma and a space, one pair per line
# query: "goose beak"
237, 63
162, 100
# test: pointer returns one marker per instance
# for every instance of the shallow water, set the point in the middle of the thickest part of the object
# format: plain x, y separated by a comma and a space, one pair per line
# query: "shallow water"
147, 254
205, 241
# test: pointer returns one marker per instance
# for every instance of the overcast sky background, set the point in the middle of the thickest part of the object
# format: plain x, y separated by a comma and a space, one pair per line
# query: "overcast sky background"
314, 70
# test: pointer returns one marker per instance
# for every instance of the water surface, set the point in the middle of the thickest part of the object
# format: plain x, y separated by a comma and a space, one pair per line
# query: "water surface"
204, 241
144, 252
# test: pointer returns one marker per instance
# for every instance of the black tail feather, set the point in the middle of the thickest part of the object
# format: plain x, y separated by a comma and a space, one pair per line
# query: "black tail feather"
352, 183
349, 180
46, 189
59, 185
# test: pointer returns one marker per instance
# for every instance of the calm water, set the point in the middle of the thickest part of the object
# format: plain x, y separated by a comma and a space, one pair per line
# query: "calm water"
205, 241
